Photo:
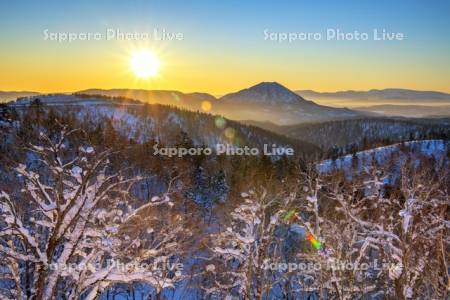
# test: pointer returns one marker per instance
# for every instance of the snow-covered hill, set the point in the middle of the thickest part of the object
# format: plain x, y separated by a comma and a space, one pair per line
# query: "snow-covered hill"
362, 133
143, 122
393, 156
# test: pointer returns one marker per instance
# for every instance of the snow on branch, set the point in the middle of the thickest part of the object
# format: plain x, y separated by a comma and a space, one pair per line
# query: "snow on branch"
78, 213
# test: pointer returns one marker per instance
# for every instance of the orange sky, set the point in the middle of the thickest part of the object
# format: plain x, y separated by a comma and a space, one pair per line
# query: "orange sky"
223, 48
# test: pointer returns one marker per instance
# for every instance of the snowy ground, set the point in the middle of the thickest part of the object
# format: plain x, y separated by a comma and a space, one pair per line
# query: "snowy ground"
382, 155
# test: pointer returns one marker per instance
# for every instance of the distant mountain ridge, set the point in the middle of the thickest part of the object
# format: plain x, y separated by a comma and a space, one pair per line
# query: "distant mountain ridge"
383, 94
273, 102
185, 100
266, 101
415, 111
6, 96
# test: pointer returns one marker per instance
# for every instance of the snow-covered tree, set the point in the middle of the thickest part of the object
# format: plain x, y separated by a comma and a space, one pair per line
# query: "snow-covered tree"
394, 243
73, 220
236, 266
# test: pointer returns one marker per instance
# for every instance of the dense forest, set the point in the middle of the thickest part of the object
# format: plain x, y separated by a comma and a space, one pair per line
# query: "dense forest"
340, 137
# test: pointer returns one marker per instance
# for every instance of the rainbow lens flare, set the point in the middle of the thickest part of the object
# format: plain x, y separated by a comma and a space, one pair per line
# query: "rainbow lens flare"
314, 242
289, 217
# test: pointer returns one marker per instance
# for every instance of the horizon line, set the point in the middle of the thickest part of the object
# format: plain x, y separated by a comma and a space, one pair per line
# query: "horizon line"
218, 94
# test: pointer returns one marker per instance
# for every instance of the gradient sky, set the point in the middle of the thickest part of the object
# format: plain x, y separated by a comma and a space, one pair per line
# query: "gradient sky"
223, 49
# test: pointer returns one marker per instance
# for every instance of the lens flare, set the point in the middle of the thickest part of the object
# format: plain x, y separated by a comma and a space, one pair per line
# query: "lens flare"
314, 242
290, 216
206, 106
230, 133
220, 122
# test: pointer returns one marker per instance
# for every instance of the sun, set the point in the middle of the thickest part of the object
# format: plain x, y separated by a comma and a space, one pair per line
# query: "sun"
144, 64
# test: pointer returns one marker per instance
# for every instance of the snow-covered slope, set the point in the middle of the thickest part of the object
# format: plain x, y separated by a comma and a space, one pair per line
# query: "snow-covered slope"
396, 155
141, 122
371, 131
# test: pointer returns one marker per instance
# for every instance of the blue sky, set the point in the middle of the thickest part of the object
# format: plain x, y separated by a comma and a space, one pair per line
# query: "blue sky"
228, 36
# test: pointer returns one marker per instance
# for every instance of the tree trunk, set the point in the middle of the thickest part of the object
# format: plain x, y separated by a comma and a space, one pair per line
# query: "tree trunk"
40, 284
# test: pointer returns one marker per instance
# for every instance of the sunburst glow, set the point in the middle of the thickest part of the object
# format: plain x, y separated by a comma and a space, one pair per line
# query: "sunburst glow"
144, 64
